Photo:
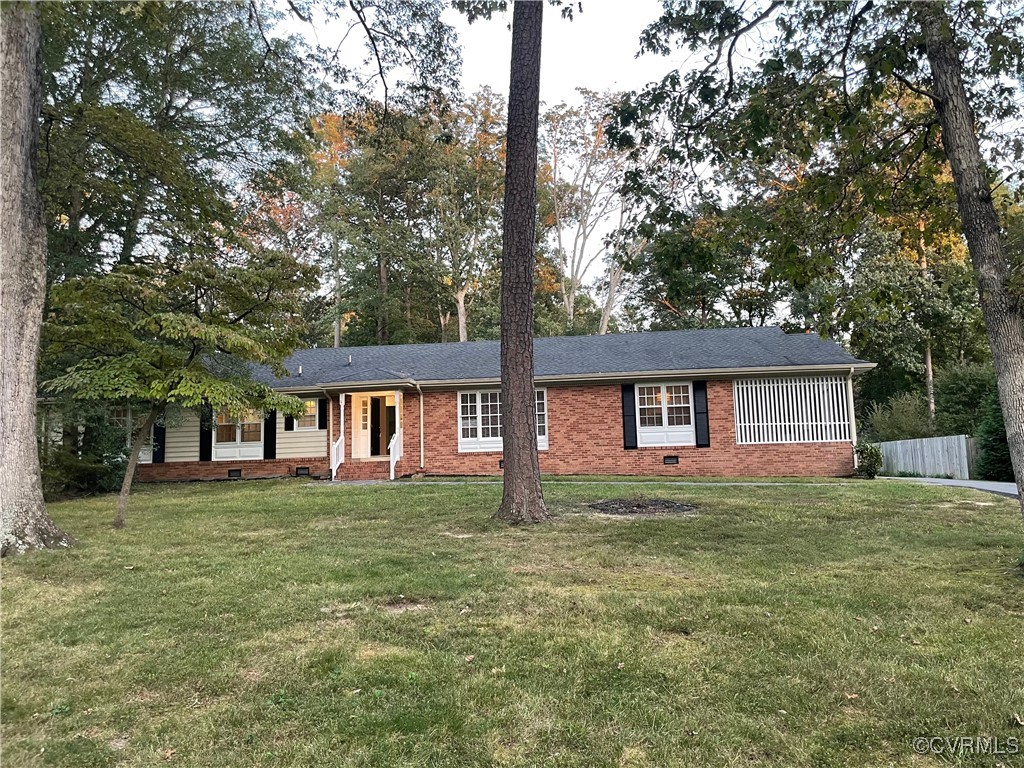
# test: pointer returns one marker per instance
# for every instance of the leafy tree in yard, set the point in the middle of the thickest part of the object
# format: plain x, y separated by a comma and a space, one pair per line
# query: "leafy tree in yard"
24, 523
825, 66
182, 330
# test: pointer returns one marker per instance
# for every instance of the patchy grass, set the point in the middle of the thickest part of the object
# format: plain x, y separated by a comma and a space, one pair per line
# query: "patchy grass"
279, 624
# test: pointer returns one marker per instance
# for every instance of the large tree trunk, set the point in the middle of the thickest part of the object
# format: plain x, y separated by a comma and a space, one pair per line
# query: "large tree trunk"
24, 523
522, 500
138, 441
460, 307
1003, 319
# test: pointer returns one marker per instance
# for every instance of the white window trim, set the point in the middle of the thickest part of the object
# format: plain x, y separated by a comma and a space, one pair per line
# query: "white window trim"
237, 450
664, 436
494, 444
296, 427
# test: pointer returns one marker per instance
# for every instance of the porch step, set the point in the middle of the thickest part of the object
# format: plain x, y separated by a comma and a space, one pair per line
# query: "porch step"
364, 470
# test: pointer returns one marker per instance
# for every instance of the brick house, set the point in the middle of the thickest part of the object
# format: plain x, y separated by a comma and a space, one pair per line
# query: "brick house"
740, 401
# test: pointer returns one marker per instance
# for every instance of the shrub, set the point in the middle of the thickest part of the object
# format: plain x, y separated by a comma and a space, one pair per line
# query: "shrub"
869, 460
961, 394
993, 449
903, 417
86, 454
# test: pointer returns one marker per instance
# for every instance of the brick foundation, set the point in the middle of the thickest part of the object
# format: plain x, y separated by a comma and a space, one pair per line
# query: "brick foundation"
218, 470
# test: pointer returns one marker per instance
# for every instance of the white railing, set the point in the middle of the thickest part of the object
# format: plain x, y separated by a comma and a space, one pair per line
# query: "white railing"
395, 450
337, 455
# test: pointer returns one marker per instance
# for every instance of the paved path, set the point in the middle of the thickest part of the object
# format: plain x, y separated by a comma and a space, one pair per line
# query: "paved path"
652, 481
1003, 489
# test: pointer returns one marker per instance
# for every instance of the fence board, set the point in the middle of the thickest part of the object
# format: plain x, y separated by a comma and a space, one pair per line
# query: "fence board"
949, 456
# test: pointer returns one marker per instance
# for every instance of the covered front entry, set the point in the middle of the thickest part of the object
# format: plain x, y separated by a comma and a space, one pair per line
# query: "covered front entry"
374, 423
370, 434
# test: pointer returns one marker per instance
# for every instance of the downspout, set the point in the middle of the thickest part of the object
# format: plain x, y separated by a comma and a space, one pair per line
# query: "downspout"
853, 416
420, 391
412, 382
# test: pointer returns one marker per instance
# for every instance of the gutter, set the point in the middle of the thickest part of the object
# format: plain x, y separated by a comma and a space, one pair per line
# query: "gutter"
608, 377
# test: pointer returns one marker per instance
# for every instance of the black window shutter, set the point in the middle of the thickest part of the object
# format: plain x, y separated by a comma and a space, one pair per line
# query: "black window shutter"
206, 434
159, 443
321, 413
270, 436
700, 414
289, 424
628, 417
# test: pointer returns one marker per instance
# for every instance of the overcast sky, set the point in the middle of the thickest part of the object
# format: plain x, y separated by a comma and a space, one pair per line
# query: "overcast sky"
596, 50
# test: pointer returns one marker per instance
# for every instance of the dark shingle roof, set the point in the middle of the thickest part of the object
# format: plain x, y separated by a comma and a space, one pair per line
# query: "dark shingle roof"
569, 356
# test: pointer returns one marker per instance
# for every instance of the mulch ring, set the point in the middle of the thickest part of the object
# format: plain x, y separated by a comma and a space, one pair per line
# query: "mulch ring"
644, 507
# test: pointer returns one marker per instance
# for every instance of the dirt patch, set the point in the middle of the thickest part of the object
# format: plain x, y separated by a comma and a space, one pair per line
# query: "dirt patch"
642, 506
403, 604
119, 744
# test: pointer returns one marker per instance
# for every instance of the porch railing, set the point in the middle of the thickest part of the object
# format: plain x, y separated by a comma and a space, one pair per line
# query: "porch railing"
337, 455
395, 450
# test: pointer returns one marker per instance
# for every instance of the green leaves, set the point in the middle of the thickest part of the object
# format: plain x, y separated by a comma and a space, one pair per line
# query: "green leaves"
184, 333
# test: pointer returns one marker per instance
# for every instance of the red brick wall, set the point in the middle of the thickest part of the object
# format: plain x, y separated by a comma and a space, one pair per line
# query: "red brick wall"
585, 437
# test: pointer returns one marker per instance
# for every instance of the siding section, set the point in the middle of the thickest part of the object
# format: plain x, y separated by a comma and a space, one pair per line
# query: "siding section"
300, 443
182, 443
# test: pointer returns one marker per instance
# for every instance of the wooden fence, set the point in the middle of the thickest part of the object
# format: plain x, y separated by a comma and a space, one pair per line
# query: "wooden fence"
951, 456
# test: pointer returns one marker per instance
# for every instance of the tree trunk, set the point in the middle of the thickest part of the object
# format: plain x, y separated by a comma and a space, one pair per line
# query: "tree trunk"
382, 310
615, 273
522, 500
929, 371
133, 462
463, 313
1003, 319
24, 523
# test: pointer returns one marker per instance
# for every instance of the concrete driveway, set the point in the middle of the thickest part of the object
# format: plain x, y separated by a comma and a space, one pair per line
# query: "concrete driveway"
1003, 489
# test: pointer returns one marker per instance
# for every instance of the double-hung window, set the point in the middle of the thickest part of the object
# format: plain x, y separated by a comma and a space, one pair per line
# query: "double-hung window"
308, 419
480, 421
664, 414
238, 439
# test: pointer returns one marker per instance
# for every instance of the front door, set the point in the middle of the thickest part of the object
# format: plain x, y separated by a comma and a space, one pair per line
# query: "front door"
374, 422
360, 426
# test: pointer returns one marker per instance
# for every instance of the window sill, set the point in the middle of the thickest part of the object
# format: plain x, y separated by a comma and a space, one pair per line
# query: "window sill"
491, 449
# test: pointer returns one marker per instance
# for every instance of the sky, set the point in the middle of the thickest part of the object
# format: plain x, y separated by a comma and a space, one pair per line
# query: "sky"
596, 50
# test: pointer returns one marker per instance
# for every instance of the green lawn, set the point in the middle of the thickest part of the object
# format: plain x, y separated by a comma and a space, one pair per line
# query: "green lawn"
278, 624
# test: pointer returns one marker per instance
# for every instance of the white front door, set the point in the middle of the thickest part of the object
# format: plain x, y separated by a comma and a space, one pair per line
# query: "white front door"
360, 426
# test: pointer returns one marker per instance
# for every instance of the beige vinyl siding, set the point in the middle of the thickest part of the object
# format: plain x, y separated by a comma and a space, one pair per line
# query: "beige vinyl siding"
182, 442
300, 443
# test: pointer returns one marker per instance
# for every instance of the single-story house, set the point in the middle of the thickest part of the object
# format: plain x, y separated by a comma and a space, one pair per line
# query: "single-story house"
738, 401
